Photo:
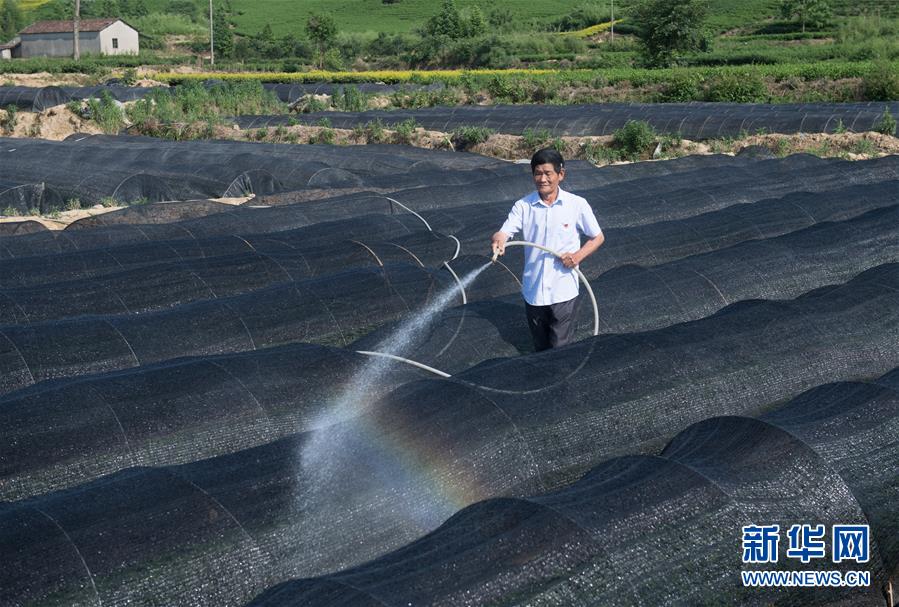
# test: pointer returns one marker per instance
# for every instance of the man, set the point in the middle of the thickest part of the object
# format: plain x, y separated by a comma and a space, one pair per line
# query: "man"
553, 218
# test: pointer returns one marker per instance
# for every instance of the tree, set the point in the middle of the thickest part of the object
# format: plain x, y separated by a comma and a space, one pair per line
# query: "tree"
222, 38
134, 8
814, 12
105, 8
322, 30
668, 28
474, 24
447, 23
10, 19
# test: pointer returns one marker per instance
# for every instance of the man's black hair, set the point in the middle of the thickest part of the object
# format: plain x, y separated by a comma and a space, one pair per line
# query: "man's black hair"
547, 156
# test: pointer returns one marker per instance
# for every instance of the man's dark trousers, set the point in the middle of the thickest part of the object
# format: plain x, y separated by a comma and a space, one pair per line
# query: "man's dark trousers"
552, 326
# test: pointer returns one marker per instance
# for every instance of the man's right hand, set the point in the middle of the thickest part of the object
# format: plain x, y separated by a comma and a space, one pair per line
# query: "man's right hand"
499, 243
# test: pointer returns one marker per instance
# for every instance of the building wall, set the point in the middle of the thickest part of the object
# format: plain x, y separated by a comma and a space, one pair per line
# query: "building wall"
127, 37
6, 53
59, 45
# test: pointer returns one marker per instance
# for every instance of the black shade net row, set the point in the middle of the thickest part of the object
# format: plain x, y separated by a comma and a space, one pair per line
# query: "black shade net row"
662, 530
634, 298
655, 243
38, 99
333, 310
502, 182
294, 92
482, 183
694, 120
176, 283
222, 530
85, 256
20, 198
62, 434
111, 283
130, 169
19, 228
666, 197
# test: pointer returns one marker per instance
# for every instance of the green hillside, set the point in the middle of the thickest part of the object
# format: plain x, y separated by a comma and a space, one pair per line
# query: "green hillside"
373, 15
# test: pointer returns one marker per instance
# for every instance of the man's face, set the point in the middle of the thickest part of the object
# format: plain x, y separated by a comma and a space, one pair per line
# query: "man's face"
546, 179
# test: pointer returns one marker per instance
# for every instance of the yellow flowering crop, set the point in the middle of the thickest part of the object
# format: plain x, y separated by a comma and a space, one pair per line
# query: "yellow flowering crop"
387, 76
592, 30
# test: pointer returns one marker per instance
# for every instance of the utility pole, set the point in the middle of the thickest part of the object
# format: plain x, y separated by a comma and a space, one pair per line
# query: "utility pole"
76, 31
612, 29
211, 46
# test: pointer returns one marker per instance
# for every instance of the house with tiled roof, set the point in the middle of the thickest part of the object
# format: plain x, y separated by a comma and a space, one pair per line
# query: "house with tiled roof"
96, 36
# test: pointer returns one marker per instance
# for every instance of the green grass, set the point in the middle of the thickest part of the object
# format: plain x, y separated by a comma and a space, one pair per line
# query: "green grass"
287, 16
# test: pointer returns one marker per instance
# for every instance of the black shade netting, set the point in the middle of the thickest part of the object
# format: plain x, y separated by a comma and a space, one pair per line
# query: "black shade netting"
693, 120
666, 197
632, 298
661, 530
333, 310
64, 434
134, 169
152, 213
176, 283
229, 222
119, 93
113, 256
17, 198
18, 228
293, 92
33, 99
222, 530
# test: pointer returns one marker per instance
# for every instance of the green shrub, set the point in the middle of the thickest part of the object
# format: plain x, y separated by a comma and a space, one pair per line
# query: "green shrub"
72, 204
887, 124
9, 123
464, 137
129, 77
310, 104
350, 100
504, 88
404, 132
325, 135
736, 87
634, 138
534, 139
374, 131
881, 83
107, 113
680, 89
598, 153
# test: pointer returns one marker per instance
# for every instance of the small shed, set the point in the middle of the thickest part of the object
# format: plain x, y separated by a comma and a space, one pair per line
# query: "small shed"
96, 36
8, 51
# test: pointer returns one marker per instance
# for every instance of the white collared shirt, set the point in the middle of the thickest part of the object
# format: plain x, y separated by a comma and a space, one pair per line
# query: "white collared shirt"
546, 280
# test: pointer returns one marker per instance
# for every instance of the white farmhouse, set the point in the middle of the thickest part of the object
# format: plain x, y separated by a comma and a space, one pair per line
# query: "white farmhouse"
96, 36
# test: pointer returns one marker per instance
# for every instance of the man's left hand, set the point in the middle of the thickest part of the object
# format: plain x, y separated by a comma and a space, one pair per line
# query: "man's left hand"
569, 260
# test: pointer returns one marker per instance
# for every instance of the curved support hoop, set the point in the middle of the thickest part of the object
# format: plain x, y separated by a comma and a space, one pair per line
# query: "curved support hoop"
427, 225
458, 246
459, 282
407, 361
